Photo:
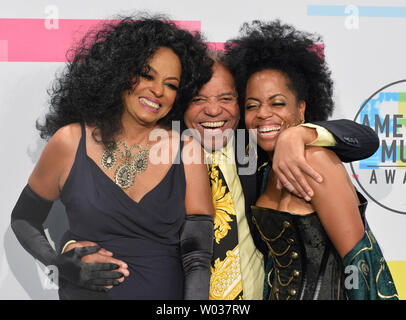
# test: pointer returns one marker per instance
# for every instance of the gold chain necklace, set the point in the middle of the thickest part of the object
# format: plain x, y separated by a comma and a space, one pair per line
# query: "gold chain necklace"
133, 164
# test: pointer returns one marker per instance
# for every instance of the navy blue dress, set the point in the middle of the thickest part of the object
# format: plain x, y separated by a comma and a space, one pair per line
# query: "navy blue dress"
143, 234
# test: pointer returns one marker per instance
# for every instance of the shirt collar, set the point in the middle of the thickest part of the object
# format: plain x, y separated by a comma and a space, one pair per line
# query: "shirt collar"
225, 154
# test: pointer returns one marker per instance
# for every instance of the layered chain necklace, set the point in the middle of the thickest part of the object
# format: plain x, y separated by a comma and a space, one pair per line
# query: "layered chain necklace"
132, 165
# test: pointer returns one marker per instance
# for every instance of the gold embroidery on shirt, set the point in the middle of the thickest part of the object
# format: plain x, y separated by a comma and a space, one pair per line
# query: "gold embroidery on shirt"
225, 281
382, 268
224, 205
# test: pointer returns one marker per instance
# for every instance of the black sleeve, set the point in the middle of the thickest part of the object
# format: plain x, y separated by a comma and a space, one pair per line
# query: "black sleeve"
354, 141
196, 247
27, 218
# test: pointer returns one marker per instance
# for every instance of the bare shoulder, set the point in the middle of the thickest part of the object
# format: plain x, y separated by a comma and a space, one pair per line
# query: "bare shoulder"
66, 138
330, 167
56, 160
198, 198
62, 145
322, 159
68, 133
327, 164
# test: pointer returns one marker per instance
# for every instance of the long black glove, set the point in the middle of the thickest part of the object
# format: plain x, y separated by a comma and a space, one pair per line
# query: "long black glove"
196, 246
27, 218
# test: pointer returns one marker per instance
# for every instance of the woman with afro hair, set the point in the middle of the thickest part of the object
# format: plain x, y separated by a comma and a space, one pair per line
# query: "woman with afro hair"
317, 249
109, 131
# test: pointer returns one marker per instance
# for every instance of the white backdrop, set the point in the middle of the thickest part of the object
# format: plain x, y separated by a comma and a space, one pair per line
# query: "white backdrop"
364, 46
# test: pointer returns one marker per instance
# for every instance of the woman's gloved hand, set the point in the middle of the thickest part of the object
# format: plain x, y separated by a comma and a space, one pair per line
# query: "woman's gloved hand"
92, 276
27, 218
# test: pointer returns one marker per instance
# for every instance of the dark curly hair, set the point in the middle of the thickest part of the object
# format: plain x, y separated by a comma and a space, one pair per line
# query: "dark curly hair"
298, 55
105, 64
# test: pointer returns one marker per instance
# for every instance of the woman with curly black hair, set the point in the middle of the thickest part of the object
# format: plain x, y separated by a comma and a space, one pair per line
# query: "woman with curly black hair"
116, 164
314, 245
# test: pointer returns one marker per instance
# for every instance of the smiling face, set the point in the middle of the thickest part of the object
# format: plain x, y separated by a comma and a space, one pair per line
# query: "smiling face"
214, 112
155, 91
271, 107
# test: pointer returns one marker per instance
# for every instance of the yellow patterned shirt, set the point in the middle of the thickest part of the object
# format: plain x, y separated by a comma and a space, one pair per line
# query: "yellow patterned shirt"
251, 260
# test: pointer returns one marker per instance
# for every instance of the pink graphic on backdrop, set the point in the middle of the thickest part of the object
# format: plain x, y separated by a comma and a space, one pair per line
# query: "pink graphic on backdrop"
3, 50
319, 50
217, 46
29, 40
220, 46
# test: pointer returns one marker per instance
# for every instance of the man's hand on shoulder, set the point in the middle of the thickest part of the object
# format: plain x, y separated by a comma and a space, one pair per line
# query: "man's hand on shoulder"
289, 162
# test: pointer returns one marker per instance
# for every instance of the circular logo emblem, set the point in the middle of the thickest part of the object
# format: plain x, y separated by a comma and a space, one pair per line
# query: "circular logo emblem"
382, 177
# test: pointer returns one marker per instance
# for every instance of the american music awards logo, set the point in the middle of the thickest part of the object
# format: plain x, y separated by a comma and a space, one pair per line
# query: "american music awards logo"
382, 177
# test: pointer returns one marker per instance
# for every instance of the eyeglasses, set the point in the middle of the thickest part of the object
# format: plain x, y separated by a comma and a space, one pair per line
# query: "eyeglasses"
222, 99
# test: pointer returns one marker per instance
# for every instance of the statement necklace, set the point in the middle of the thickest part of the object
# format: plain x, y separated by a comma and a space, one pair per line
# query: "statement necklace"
133, 164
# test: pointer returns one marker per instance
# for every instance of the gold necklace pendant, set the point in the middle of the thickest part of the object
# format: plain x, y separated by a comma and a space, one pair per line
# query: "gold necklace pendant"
124, 175
140, 161
109, 159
